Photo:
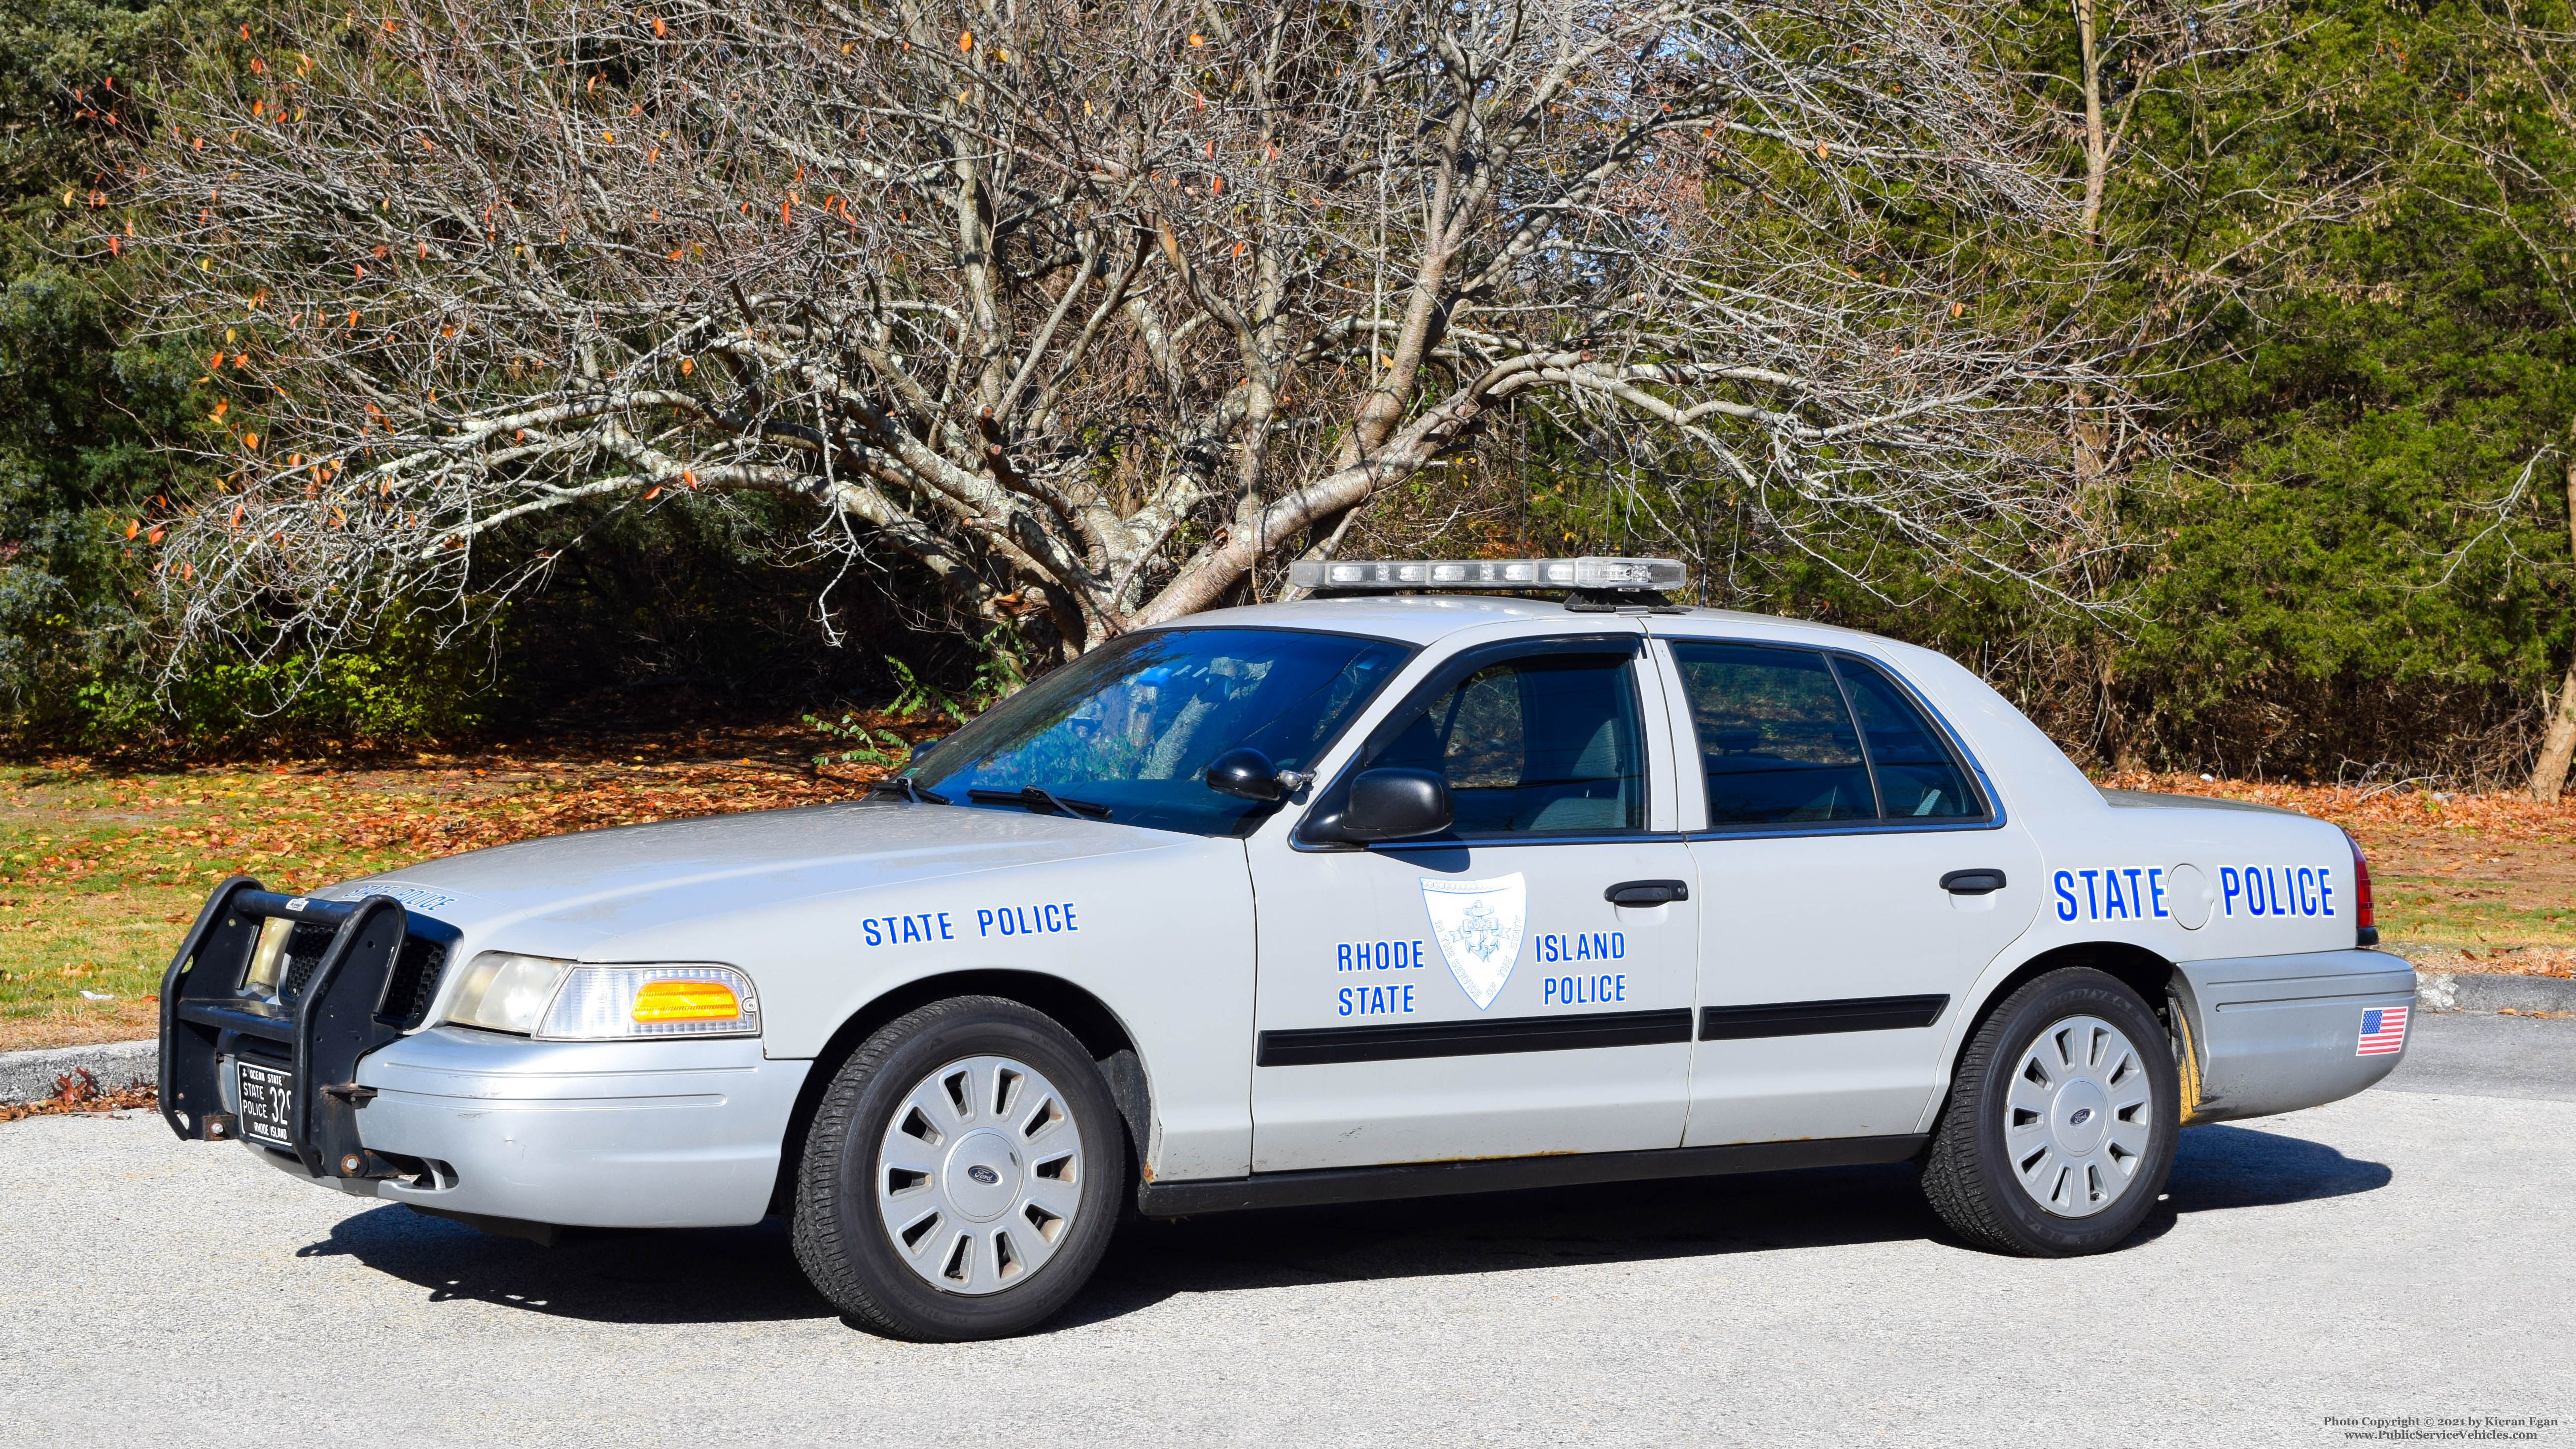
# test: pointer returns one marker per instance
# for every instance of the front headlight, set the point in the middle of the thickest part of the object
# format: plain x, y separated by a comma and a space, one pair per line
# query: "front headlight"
506, 992
562, 1001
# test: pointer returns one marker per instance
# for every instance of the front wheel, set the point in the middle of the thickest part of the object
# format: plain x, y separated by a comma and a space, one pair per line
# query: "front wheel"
2061, 1123
961, 1177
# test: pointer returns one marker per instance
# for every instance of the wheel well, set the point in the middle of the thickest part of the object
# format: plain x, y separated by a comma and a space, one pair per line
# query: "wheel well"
2140, 969
1078, 1011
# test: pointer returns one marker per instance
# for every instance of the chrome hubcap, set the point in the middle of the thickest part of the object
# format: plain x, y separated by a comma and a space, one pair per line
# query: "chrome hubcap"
2078, 1117
979, 1175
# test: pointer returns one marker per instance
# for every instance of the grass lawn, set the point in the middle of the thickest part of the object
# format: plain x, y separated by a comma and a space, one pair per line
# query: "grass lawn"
103, 864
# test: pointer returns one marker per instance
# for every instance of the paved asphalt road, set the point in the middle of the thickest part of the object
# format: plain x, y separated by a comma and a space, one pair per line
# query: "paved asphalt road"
2410, 1252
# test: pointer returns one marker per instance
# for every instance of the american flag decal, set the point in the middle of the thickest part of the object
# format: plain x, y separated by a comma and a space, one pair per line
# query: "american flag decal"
2383, 1030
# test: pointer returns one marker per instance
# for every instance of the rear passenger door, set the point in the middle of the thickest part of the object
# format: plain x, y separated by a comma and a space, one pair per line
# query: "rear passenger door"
1839, 833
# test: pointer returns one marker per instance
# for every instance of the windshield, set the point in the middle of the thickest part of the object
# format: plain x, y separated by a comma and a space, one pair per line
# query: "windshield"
1125, 732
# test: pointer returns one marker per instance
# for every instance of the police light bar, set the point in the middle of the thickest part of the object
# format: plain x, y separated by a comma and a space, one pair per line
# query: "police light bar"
1491, 573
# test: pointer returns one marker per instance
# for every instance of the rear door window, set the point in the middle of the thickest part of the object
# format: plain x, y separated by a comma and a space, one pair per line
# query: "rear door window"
1918, 778
1801, 737
1776, 739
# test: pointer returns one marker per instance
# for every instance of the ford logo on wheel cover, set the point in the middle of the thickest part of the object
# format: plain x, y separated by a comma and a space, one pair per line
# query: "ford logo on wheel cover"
983, 1174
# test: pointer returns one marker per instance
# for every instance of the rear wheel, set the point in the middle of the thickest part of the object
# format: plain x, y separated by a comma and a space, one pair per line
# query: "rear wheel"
2062, 1120
961, 1177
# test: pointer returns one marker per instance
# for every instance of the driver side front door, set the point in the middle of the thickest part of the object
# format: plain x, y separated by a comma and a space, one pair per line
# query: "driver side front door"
1477, 993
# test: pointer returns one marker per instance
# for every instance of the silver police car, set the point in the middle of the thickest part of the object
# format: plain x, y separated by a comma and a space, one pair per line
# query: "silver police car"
1417, 886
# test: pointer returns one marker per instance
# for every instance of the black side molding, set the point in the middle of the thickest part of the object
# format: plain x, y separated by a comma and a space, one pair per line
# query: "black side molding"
1322, 1046
1505, 1174
1816, 1018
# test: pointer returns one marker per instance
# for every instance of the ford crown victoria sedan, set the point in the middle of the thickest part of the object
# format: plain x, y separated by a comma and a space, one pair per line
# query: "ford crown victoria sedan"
1370, 895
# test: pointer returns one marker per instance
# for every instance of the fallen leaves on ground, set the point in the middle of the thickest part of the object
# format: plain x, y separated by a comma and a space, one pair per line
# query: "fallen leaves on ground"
2360, 807
2507, 961
79, 1091
103, 862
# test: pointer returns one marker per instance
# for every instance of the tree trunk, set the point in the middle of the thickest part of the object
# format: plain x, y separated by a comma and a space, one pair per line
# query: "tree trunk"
2559, 745
2097, 149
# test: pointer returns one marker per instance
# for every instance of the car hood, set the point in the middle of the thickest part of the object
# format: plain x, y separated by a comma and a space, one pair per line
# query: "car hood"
578, 894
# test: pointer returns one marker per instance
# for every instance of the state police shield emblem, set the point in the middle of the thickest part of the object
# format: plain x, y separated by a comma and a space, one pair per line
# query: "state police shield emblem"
1478, 924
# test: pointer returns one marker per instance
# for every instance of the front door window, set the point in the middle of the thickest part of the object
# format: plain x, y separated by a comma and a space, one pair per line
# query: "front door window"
1544, 744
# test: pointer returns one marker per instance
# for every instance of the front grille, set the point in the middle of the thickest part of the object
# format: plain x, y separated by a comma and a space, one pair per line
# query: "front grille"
413, 981
305, 947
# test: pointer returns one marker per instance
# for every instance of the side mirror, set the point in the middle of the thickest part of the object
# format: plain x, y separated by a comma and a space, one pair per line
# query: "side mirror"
1246, 774
1394, 804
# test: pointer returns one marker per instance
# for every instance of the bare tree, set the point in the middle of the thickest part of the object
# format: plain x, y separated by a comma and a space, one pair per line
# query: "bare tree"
1092, 311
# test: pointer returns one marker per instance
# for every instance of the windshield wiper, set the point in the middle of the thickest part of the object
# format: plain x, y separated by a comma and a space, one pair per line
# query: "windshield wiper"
902, 785
1035, 796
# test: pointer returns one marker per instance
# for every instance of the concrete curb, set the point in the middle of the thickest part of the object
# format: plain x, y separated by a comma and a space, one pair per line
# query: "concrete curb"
29, 1076
2477, 991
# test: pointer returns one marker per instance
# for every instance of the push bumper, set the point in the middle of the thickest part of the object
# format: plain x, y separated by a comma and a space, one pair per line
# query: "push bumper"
2277, 1033
656, 1133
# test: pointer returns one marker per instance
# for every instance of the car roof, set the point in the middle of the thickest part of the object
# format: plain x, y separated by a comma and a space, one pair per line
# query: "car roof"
1426, 618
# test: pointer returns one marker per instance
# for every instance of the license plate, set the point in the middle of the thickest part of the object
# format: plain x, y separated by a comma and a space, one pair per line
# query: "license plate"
267, 1095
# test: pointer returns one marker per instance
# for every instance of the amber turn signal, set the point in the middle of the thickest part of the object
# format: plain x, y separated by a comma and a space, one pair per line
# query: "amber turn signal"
686, 1001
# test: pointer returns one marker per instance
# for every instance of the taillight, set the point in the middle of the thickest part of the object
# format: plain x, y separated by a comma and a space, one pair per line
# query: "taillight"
2367, 925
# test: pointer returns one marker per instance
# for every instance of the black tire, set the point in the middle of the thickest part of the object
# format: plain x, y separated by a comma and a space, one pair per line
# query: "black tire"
1971, 1175
838, 1227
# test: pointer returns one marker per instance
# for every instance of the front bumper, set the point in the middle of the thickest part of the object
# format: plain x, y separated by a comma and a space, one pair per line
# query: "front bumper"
650, 1134
2278, 1033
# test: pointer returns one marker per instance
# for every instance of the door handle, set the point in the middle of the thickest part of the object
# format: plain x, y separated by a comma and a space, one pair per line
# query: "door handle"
1647, 892
1973, 882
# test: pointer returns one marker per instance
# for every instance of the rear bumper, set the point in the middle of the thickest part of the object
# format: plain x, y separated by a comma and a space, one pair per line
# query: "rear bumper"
658, 1134
2277, 1033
